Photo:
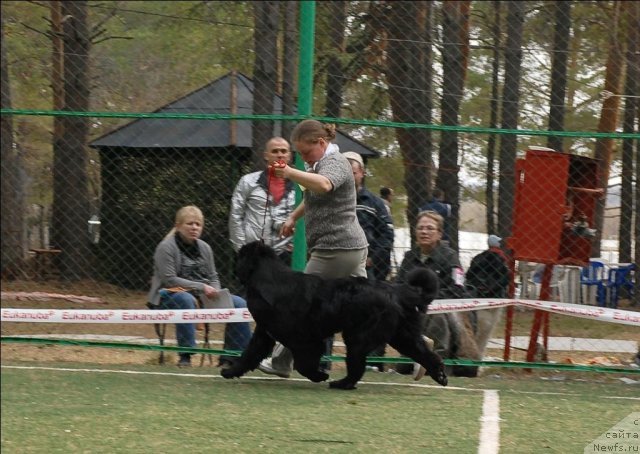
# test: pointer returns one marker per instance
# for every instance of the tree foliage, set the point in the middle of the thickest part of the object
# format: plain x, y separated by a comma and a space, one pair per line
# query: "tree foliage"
149, 53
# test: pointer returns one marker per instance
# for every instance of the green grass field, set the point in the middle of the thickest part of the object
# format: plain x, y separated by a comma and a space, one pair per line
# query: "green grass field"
76, 399
71, 408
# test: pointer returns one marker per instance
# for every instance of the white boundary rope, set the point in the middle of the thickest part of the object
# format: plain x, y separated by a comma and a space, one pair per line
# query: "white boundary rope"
243, 315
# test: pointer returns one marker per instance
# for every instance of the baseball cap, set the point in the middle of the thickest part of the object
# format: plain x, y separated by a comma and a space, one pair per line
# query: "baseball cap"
494, 241
353, 156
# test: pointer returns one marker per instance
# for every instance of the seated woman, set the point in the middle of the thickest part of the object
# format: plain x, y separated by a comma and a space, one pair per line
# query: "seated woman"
431, 252
183, 260
452, 333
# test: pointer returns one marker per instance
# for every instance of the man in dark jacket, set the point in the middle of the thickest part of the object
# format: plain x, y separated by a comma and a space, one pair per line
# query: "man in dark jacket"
438, 205
375, 220
488, 275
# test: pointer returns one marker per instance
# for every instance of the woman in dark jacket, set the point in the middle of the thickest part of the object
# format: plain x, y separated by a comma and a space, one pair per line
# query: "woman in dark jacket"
431, 252
451, 333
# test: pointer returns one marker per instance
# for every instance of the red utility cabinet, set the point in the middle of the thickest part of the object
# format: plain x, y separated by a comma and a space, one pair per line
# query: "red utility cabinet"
555, 198
554, 205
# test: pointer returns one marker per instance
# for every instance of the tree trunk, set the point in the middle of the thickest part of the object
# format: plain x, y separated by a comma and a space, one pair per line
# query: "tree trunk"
455, 48
265, 74
629, 146
493, 119
71, 206
12, 174
57, 65
609, 117
510, 100
406, 70
559, 71
289, 65
636, 293
335, 74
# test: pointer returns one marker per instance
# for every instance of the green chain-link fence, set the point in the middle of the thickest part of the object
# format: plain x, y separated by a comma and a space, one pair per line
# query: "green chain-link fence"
115, 114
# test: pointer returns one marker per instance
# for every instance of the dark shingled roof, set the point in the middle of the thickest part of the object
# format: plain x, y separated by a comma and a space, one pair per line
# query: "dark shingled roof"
213, 98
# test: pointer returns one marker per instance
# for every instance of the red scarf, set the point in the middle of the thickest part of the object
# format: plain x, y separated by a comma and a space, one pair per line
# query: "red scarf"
276, 188
501, 253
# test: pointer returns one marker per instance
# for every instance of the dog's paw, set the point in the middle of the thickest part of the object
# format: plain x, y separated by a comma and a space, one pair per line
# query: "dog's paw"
439, 376
318, 377
231, 372
342, 384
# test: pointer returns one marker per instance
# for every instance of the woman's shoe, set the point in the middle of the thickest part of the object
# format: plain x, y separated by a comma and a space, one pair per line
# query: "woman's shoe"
266, 366
185, 361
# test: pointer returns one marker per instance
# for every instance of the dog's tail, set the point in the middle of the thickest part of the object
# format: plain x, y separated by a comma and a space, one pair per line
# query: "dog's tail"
428, 284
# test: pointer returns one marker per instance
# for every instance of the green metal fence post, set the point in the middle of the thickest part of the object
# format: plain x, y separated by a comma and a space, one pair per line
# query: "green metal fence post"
305, 97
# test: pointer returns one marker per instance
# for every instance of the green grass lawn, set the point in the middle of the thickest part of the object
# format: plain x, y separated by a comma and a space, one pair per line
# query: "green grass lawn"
564, 325
164, 409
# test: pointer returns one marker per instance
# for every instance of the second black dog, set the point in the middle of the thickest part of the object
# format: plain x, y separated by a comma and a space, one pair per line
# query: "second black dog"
301, 310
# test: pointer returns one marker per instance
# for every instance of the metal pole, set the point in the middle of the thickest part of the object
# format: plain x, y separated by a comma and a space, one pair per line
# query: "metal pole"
305, 99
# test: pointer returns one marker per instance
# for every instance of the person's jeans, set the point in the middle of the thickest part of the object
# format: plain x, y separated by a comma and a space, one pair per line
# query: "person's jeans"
185, 332
236, 335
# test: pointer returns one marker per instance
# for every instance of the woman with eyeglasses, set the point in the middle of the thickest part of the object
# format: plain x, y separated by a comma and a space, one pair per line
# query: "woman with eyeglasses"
452, 334
431, 252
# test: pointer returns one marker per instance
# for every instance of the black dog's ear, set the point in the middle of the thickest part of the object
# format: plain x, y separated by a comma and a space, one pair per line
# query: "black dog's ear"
257, 262
242, 273
426, 280
245, 264
262, 250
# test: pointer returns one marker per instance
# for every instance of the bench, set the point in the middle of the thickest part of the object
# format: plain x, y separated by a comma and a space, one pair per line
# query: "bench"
44, 266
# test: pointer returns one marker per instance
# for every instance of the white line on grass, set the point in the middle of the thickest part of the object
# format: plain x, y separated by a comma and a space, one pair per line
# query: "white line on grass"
490, 423
217, 376
177, 374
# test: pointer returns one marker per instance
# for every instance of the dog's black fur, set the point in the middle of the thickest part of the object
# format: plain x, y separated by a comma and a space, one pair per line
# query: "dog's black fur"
301, 310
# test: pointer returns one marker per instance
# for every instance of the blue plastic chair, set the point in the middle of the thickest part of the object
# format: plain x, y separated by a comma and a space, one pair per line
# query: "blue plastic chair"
618, 278
593, 275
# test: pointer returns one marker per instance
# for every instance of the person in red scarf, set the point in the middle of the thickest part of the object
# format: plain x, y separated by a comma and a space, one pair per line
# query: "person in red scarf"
488, 275
262, 202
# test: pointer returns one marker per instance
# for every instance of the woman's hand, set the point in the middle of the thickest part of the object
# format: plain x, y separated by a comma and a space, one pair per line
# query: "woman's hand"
280, 169
288, 227
210, 292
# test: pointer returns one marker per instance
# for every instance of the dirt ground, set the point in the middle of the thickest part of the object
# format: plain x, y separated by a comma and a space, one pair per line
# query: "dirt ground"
116, 298
109, 297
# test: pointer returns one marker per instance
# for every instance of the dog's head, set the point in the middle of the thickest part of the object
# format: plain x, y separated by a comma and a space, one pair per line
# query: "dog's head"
250, 257
428, 283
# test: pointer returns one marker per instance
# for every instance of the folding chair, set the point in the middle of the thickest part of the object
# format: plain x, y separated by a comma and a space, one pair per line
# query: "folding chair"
160, 329
593, 276
205, 343
619, 278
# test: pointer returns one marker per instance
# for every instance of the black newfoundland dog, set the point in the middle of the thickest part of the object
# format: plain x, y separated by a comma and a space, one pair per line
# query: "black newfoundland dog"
301, 310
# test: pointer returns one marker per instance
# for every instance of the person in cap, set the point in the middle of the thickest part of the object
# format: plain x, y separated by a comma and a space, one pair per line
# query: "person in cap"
494, 242
386, 194
375, 220
488, 274
441, 207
